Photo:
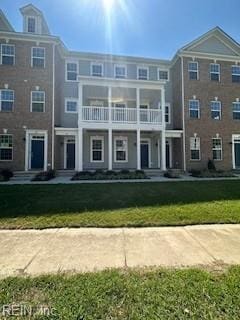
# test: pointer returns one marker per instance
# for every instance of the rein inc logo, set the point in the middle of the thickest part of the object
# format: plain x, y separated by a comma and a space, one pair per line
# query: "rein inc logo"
26, 310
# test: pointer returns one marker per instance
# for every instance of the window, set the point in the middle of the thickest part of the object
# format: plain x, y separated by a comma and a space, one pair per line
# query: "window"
6, 147
194, 109
71, 105
216, 110
38, 57
235, 73
37, 101
120, 149
97, 149
167, 114
217, 148
195, 148
120, 72
97, 69
31, 24
71, 71
7, 54
236, 110
163, 75
7, 100
215, 72
142, 73
193, 70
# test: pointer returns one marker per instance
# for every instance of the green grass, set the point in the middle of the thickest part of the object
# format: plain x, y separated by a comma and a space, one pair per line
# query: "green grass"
133, 295
122, 204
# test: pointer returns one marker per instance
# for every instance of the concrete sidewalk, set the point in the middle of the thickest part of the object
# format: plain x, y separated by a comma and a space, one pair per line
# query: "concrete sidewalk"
33, 252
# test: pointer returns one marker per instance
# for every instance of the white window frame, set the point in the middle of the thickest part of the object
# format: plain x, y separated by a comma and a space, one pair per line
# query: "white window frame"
191, 70
66, 70
11, 148
233, 103
189, 108
164, 70
120, 66
101, 138
195, 149
216, 149
32, 57
8, 55
71, 100
220, 112
214, 72
35, 19
44, 102
235, 74
100, 64
123, 138
6, 100
167, 105
144, 68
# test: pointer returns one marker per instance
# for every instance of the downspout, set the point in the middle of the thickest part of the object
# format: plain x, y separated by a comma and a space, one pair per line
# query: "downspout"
183, 118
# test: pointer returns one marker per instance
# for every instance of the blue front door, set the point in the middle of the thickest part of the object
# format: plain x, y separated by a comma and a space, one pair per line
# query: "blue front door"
144, 155
37, 154
70, 155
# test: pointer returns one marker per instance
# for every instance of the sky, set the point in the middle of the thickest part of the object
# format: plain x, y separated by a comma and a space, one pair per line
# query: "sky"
145, 28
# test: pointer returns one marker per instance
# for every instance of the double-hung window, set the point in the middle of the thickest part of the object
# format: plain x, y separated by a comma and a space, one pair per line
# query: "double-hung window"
236, 110
7, 54
6, 147
37, 101
38, 57
71, 71
6, 100
142, 73
31, 24
97, 69
193, 70
97, 149
215, 72
194, 109
71, 105
120, 71
120, 149
163, 75
216, 110
217, 148
235, 73
195, 148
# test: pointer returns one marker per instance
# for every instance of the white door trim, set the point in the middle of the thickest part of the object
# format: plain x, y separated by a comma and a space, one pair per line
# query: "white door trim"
235, 139
28, 140
66, 141
170, 151
148, 140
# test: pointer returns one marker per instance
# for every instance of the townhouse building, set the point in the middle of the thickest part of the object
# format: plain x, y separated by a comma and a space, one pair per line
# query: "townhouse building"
84, 111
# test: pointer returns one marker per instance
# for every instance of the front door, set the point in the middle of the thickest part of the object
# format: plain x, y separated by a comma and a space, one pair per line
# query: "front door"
167, 155
70, 156
237, 154
37, 154
144, 155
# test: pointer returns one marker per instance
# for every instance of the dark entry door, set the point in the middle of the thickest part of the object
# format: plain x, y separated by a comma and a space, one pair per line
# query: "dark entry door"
144, 155
167, 155
37, 159
237, 154
70, 155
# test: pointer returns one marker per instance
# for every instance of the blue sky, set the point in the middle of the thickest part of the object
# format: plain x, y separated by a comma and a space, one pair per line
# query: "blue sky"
151, 28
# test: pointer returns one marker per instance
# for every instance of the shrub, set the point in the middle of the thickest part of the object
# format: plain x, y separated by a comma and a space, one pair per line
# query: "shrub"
111, 173
211, 165
45, 175
99, 171
124, 171
5, 174
172, 174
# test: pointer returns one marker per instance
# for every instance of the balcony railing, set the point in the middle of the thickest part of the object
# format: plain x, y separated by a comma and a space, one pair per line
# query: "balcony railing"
121, 115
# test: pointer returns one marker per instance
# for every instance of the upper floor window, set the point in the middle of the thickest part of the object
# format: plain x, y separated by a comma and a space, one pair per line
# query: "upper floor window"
71, 71
71, 105
142, 73
215, 72
193, 70
217, 148
163, 74
7, 54
120, 71
31, 24
167, 114
37, 101
216, 107
38, 57
236, 110
97, 69
6, 147
194, 148
6, 100
235, 73
97, 149
194, 109
120, 149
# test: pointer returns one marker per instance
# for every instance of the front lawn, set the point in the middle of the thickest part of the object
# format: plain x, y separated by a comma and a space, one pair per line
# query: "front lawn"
120, 295
122, 204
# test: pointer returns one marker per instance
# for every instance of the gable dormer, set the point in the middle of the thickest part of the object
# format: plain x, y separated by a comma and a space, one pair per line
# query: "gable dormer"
33, 20
4, 23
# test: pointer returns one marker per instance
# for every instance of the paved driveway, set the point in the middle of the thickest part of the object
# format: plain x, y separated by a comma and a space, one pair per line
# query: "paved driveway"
34, 252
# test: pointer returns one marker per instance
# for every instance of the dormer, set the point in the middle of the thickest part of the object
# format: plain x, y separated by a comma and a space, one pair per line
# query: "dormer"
33, 20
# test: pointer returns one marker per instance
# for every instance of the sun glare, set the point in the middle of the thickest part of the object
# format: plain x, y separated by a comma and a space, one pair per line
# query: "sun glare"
108, 4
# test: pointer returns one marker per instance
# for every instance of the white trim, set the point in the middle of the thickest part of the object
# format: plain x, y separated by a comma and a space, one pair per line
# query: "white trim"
67, 61
164, 70
29, 134
14, 56
13, 101
169, 113
189, 109
66, 141
237, 138
53, 107
44, 102
123, 138
219, 72
10, 148
183, 115
70, 99
169, 142
101, 138
195, 149
44, 59
145, 68
148, 140
26, 26
96, 64
220, 111
195, 71
120, 66
215, 138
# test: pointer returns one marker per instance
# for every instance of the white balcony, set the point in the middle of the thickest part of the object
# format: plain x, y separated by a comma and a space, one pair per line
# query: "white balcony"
120, 115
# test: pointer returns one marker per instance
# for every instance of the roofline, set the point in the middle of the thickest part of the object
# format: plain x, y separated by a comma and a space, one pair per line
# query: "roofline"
39, 12
6, 20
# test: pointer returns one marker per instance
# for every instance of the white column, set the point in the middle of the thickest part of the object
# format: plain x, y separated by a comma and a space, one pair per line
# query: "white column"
76, 152
80, 149
109, 149
138, 149
138, 104
79, 145
80, 103
110, 103
163, 133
